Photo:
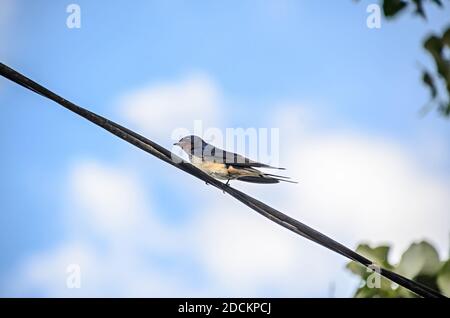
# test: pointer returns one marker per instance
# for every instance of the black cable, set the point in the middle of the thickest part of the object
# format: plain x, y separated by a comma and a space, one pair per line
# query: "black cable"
263, 209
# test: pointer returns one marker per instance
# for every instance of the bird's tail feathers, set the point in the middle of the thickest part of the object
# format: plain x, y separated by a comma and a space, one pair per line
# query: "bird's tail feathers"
280, 178
271, 167
275, 175
260, 179
265, 178
290, 181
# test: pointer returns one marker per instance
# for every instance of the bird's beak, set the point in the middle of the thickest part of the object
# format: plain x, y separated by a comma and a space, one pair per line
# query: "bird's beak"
175, 144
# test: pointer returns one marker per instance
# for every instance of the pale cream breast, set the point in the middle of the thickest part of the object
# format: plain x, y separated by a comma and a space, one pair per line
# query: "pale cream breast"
214, 169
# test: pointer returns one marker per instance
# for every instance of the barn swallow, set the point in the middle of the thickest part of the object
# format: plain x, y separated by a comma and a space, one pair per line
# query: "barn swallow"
225, 165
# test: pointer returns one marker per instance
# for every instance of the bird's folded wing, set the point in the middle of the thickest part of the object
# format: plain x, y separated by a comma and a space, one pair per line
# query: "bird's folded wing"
229, 158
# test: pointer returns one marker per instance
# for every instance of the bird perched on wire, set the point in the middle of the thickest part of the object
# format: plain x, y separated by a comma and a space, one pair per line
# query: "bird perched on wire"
225, 165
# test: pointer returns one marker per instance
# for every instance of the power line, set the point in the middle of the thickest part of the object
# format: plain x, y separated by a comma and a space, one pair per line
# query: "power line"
260, 207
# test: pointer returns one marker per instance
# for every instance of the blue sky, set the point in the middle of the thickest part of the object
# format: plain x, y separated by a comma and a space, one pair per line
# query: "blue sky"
255, 60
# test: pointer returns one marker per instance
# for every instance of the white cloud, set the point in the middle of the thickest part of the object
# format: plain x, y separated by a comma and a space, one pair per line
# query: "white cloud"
238, 252
353, 187
233, 242
362, 187
109, 202
114, 200
45, 273
161, 108
246, 255
102, 274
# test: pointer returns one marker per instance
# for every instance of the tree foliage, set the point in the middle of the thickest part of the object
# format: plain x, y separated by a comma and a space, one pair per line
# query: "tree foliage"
419, 262
438, 47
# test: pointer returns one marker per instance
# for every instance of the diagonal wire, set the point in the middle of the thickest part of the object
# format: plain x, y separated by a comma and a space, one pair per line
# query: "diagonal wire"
174, 160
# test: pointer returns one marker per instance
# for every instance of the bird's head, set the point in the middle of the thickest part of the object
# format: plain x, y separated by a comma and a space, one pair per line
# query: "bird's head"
191, 144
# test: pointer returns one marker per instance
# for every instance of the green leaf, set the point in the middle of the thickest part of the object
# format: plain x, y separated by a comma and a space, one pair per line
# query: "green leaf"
433, 44
445, 109
443, 280
356, 268
429, 82
438, 3
419, 8
446, 37
419, 259
402, 292
436, 47
420, 262
393, 7
378, 255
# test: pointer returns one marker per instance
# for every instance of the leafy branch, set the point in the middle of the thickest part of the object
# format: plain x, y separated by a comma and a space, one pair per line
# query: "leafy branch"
438, 47
420, 262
